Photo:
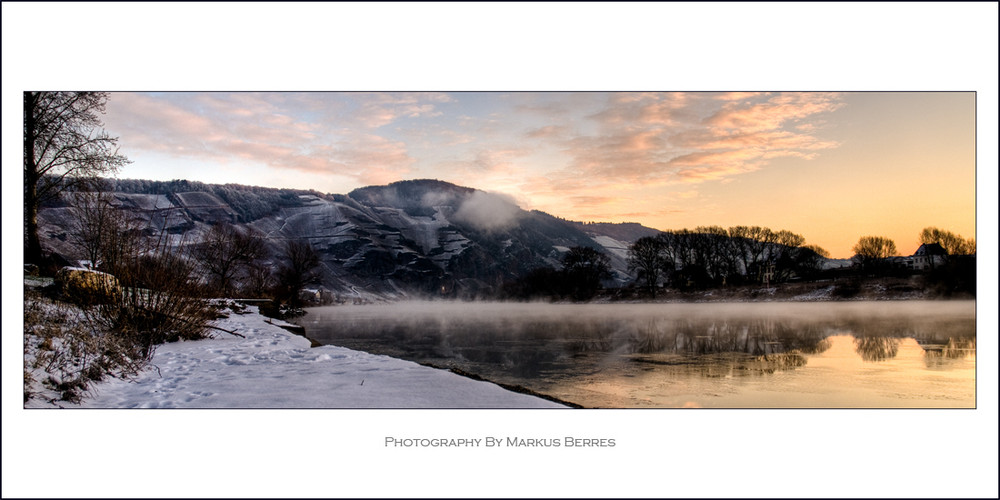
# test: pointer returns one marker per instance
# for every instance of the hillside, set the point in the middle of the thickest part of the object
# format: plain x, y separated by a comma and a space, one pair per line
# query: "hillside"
408, 238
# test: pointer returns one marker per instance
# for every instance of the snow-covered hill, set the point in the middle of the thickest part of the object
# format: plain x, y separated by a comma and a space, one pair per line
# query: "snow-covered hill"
409, 238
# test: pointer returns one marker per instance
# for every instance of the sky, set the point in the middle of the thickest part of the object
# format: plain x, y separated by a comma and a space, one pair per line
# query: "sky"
830, 166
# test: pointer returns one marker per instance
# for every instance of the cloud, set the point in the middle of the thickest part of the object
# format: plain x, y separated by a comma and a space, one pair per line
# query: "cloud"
372, 159
491, 160
749, 117
643, 109
547, 132
595, 200
676, 141
436, 198
487, 162
575, 148
488, 211
688, 138
376, 110
736, 96
145, 122
286, 131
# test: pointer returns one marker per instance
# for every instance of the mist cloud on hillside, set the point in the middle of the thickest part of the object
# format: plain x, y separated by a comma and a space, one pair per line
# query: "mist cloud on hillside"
488, 211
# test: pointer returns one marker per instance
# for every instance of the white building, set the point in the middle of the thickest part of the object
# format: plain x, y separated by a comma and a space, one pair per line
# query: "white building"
929, 256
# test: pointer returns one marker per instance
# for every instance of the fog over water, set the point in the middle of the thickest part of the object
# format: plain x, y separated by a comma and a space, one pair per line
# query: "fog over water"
832, 354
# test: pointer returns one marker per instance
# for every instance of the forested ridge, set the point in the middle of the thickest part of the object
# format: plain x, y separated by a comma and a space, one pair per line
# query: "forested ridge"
249, 202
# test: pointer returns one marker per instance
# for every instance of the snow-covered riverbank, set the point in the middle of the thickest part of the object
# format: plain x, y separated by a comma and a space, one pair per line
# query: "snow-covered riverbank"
273, 368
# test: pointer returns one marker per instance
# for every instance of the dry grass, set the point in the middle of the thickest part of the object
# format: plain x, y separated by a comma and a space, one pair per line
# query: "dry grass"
64, 352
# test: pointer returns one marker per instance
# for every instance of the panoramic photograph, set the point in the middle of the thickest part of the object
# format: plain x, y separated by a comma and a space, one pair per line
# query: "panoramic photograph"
500, 250
446, 250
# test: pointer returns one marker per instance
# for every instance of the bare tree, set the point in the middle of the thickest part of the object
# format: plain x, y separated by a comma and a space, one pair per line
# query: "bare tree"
671, 252
681, 248
718, 254
818, 250
808, 260
646, 258
740, 238
584, 268
103, 232
64, 147
259, 278
784, 251
93, 214
298, 269
870, 251
762, 240
950, 242
226, 253
788, 240
109, 237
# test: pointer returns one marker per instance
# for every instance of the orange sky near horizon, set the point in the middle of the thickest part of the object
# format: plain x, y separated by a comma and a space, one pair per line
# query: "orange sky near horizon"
905, 162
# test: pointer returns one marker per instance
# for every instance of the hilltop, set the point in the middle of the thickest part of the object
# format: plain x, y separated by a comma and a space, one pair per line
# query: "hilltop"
405, 239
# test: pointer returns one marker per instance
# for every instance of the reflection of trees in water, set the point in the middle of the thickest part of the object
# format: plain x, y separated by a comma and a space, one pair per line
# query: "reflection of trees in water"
901, 326
725, 344
770, 363
708, 347
938, 351
859, 327
817, 348
724, 364
943, 355
714, 347
757, 337
592, 338
876, 348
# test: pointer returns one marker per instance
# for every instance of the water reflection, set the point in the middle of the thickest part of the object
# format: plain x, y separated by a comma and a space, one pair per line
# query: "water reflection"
956, 349
757, 337
531, 344
877, 348
728, 365
564, 348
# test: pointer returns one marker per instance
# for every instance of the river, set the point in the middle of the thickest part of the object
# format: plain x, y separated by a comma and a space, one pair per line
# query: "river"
880, 354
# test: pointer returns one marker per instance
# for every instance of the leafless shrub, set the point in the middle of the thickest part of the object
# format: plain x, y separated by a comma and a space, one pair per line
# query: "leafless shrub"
159, 301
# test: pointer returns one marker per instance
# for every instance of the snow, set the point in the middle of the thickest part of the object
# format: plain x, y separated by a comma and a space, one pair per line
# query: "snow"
818, 294
143, 201
273, 368
612, 245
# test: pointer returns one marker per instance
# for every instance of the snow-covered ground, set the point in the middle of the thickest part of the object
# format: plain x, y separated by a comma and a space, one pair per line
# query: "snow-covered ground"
273, 368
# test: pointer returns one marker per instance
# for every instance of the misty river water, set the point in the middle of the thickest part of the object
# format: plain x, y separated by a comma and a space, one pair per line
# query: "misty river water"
881, 354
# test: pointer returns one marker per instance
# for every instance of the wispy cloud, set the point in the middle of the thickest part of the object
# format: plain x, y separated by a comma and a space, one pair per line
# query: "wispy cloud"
688, 138
379, 109
314, 133
752, 116
579, 148
548, 132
